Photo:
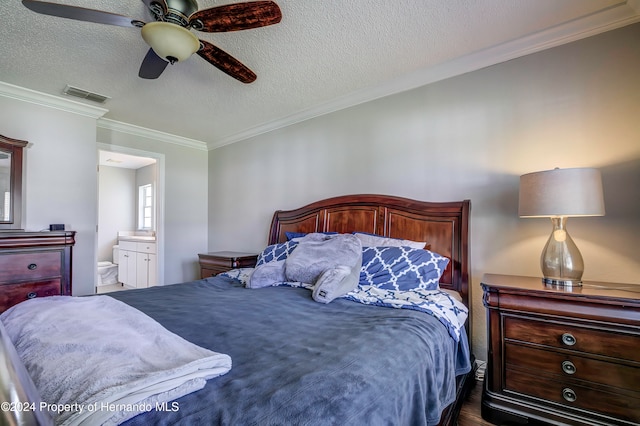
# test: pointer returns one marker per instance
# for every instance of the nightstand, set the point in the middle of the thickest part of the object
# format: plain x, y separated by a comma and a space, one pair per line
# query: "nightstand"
221, 261
564, 357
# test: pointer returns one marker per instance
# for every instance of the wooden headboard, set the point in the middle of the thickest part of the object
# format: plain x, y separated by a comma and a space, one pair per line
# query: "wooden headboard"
444, 226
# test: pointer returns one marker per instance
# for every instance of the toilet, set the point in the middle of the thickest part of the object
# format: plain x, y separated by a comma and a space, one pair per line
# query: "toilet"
108, 271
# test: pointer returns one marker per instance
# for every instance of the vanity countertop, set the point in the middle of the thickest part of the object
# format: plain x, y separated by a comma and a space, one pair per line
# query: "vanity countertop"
136, 238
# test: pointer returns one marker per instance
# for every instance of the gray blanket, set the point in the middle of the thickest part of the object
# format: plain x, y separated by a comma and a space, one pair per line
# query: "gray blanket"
101, 361
298, 362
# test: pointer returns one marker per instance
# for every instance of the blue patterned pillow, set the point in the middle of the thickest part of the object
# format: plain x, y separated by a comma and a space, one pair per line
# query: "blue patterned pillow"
401, 268
279, 251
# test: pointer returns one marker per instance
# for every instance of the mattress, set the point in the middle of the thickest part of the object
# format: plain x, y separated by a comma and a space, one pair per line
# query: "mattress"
296, 361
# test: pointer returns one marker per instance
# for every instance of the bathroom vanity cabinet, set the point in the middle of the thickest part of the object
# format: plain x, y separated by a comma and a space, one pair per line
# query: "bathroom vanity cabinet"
137, 263
34, 264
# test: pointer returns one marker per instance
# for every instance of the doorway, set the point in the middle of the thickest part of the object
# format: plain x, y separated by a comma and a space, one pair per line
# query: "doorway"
130, 211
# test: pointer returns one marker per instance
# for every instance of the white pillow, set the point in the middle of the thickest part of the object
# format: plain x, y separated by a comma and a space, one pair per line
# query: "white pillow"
369, 240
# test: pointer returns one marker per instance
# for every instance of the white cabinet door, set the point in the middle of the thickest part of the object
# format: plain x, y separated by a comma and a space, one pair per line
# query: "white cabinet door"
142, 269
153, 266
146, 265
127, 267
131, 269
122, 266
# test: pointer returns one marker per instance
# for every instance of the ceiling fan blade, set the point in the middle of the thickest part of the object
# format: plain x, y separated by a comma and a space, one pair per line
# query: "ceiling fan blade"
237, 16
225, 62
78, 13
152, 66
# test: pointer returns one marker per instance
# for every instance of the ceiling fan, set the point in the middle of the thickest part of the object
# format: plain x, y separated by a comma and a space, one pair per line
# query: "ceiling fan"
169, 35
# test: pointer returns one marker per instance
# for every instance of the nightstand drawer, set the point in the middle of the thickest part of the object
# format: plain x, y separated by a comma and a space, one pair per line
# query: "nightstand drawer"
571, 366
30, 266
572, 337
34, 264
10, 294
212, 272
570, 393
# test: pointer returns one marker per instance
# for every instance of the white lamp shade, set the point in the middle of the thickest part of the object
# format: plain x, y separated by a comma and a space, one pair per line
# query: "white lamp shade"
561, 192
170, 41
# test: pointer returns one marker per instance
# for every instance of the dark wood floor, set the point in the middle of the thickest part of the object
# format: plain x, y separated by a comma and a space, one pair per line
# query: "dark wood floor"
470, 411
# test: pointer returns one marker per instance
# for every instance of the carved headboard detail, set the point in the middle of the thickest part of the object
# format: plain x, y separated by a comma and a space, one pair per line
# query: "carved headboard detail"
444, 226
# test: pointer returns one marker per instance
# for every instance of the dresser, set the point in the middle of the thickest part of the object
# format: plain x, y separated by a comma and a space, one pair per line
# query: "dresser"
563, 357
34, 264
214, 263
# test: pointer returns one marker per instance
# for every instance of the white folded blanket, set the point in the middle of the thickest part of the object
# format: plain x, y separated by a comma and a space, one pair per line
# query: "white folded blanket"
107, 359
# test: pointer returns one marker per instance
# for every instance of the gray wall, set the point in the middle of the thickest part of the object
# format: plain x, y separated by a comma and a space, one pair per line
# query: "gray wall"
471, 136
60, 176
61, 184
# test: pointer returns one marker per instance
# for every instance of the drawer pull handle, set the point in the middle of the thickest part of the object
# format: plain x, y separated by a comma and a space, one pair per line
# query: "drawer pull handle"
32, 266
32, 295
568, 339
568, 367
569, 395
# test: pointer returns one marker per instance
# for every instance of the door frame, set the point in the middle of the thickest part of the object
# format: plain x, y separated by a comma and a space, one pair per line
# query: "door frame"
160, 191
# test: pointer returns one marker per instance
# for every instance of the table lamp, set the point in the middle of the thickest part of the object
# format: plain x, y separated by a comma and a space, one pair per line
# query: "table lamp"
560, 194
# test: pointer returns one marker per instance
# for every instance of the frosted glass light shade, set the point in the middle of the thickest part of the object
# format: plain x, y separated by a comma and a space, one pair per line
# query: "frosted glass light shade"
170, 41
558, 194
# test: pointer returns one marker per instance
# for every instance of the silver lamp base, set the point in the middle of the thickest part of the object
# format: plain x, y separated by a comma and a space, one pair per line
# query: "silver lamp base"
561, 262
561, 284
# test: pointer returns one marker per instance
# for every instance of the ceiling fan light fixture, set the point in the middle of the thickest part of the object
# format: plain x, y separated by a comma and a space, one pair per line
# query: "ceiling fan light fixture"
170, 41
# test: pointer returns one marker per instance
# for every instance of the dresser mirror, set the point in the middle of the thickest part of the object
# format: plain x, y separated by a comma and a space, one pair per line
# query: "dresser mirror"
11, 183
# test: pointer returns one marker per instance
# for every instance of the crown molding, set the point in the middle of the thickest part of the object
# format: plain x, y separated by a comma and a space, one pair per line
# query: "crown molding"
62, 104
134, 130
50, 101
610, 18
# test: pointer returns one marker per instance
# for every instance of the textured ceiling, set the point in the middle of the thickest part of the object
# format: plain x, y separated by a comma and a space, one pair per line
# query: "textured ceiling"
322, 56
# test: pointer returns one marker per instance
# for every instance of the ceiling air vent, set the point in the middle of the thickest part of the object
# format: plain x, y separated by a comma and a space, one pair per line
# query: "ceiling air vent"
84, 94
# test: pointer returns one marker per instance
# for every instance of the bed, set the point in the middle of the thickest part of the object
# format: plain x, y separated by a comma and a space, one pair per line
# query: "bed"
297, 361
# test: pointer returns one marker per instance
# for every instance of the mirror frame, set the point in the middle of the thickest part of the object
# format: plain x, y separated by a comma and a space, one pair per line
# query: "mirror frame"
14, 146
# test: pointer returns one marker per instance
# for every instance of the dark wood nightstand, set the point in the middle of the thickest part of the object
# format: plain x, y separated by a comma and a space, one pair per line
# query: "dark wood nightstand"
569, 357
221, 261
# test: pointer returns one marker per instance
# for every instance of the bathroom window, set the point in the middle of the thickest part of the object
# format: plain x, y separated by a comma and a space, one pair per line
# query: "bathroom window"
145, 207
